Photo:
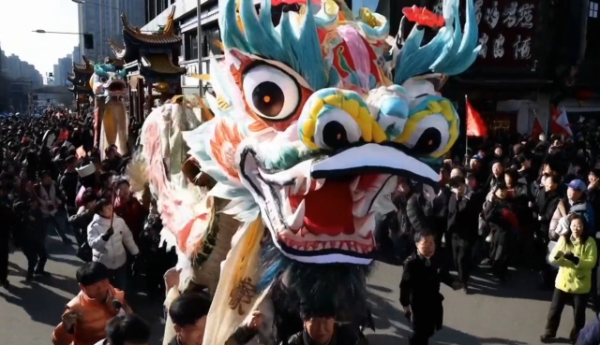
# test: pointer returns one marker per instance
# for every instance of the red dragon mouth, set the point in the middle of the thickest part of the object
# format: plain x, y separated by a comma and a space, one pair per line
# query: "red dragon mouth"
323, 211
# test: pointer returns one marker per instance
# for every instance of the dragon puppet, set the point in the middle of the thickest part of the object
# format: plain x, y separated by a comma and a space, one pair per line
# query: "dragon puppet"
310, 137
110, 116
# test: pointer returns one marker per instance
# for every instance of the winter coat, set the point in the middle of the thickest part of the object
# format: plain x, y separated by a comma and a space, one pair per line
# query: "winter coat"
416, 213
563, 208
593, 197
111, 253
571, 278
463, 216
590, 334
545, 205
68, 185
48, 198
82, 219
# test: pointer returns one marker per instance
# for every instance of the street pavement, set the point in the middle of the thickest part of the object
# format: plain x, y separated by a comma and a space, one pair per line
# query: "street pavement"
512, 314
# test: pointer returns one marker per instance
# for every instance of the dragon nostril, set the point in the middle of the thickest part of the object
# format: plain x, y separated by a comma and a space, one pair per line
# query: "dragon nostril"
335, 135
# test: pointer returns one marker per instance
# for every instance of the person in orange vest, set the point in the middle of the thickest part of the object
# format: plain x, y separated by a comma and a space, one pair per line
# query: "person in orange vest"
87, 314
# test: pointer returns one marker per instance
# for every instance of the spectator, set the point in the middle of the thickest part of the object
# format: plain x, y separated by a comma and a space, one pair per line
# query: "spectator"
576, 255
108, 235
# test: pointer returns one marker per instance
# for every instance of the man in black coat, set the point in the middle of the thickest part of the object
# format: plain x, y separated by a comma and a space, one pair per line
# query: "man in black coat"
68, 185
5, 234
420, 289
463, 223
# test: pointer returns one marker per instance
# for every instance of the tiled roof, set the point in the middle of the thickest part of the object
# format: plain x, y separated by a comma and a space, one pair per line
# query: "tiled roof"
161, 64
167, 36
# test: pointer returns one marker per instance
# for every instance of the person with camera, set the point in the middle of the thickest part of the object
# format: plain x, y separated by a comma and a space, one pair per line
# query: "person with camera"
108, 236
575, 253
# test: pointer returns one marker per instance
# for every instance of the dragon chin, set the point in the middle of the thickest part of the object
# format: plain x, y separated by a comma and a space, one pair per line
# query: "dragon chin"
115, 87
297, 292
323, 210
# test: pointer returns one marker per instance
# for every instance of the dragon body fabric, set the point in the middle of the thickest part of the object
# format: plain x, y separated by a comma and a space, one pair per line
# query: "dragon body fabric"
110, 117
310, 137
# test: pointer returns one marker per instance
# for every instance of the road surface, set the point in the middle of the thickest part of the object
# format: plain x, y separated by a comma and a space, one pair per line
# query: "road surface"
512, 314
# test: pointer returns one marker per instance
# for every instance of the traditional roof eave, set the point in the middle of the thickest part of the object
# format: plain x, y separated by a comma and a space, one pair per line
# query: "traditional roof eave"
161, 64
117, 49
85, 68
167, 36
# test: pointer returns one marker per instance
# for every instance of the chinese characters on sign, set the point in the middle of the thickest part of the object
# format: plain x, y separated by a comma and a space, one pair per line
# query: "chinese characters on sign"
505, 32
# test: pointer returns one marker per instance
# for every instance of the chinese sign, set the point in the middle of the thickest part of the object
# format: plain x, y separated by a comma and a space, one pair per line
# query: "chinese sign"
506, 31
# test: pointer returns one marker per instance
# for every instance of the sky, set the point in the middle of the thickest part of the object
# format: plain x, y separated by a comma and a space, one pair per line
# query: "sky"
18, 18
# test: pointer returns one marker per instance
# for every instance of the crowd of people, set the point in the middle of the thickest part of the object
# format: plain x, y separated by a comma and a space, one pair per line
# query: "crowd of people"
531, 204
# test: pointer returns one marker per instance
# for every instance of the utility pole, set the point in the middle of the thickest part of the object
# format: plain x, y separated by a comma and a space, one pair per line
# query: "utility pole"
199, 15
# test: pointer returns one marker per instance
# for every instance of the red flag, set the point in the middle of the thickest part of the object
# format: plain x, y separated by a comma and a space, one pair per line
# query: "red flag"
560, 122
475, 125
537, 128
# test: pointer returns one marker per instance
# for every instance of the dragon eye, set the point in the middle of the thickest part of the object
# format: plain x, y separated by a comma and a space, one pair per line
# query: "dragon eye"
271, 93
431, 135
336, 129
103, 79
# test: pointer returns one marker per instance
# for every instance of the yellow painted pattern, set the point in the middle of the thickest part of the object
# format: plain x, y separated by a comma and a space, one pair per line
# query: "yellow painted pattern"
371, 130
443, 108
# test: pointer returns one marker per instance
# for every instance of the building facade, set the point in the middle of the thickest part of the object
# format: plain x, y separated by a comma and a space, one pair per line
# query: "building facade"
186, 17
102, 20
14, 68
65, 65
55, 74
76, 55
534, 54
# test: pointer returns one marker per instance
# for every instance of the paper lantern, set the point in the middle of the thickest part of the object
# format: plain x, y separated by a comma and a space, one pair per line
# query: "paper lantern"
161, 87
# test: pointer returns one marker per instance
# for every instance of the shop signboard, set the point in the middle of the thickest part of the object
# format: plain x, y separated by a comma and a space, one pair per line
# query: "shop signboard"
507, 34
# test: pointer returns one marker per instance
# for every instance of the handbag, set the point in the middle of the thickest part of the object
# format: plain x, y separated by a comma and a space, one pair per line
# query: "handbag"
84, 252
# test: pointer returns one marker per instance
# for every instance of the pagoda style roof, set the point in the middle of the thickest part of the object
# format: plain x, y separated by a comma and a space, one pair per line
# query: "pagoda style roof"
80, 76
135, 39
85, 68
160, 64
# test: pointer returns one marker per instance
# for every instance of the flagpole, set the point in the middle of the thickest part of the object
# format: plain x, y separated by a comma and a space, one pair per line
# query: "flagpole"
466, 131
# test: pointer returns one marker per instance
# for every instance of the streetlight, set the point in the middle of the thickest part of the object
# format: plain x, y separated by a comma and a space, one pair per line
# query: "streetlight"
40, 31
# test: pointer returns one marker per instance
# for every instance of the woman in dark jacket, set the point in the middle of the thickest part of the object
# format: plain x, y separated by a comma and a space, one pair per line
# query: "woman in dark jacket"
501, 220
518, 197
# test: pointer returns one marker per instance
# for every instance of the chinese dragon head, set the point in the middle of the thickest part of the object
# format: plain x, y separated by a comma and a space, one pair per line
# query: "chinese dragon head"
108, 81
110, 116
309, 140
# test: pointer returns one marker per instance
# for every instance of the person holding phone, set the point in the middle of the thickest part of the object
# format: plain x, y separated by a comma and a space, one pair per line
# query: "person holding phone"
575, 253
108, 236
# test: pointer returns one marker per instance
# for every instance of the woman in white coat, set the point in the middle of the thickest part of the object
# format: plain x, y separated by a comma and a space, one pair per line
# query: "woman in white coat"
108, 235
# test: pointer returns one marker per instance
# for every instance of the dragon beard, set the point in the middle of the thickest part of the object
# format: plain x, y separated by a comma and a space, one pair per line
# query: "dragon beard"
314, 289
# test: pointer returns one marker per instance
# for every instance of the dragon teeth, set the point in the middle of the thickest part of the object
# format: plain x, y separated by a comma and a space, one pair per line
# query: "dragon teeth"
296, 220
